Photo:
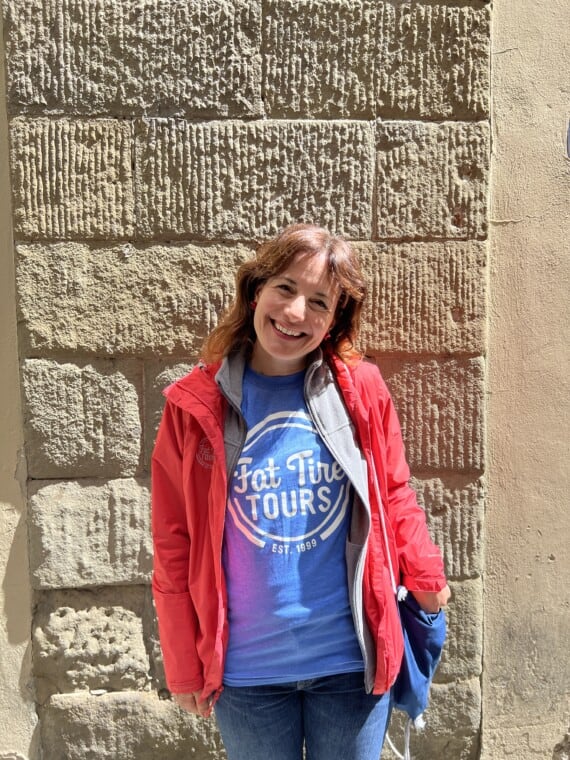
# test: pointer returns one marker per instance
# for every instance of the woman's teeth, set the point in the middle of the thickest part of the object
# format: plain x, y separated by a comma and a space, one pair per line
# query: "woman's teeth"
284, 330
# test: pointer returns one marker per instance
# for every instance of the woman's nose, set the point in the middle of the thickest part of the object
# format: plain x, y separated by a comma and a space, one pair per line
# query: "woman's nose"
296, 308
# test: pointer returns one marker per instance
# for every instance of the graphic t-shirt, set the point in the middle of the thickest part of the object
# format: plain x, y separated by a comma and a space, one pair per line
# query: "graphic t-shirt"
284, 545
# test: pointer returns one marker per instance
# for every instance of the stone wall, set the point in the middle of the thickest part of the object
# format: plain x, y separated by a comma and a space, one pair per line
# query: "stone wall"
151, 145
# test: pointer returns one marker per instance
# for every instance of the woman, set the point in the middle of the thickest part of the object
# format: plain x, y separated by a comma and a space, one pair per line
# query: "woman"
279, 487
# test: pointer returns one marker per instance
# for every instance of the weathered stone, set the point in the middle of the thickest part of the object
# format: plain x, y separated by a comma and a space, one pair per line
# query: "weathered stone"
125, 726
319, 58
455, 511
535, 738
71, 178
89, 640
82, 420
249, 180
463, 651
424, 297
123, 299
89, 532
432, 180
158, 375
432, 60
452, 731
98, 57
440, 404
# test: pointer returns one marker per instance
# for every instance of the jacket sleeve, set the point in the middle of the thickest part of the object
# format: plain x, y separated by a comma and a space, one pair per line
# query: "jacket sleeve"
420, 561
177, 622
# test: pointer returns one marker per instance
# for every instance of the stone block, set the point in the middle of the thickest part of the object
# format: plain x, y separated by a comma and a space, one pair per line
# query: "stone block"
89, 533
441, 409
452, 731
463, 651
424, 297
82, 420
432, 60
158, 375
71, 178
432, 180
95, 57
455, 509
249, 180
124, 727
123, 299
319, 58
89, 641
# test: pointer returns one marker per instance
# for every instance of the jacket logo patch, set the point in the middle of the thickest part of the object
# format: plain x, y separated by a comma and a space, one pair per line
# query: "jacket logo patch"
205, 454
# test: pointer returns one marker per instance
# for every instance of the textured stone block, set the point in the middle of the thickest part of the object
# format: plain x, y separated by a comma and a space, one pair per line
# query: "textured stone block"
432, 60
71, 178
441, 409
82, 420
455, 512
453, 717
249, 180
158, 375
424, 297
89, 640
319, 58
124, 727
463, 651
432, 180
98, 57
89, 533
123, 299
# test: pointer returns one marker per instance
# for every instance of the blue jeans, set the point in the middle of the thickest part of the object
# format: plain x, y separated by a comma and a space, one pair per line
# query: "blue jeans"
333, 716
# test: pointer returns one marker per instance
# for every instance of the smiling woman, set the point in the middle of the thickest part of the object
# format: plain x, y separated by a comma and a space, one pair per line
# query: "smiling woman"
293, 313
271, 574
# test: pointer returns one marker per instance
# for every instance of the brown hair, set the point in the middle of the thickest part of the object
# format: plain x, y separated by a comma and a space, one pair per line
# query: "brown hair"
235, 330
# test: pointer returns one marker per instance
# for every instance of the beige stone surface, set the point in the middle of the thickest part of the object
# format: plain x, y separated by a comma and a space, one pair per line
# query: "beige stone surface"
452, 724
463, 651
123, 299
97, 57
367, 59
89, 641
424, 297
249, 180
431, 180
440, 405
455, 507
71, 178
526, 678
89, 532
18, 718
319, 58
84, 727
83, 419
433, 60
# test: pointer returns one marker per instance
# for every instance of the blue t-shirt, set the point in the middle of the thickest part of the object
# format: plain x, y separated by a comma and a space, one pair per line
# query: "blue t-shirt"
284, 545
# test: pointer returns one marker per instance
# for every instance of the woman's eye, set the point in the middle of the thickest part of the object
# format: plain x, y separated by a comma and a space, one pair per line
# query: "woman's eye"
285, 288
321, 305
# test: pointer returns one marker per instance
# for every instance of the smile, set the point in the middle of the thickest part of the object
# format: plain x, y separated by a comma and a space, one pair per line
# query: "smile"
285, 331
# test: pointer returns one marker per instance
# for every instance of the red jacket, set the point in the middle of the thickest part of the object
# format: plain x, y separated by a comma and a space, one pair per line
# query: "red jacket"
189, 494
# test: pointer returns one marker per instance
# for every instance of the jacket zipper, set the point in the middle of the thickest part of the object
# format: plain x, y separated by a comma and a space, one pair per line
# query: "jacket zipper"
357, 609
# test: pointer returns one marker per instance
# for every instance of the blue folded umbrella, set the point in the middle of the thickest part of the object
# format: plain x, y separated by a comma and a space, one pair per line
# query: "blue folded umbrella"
424, 636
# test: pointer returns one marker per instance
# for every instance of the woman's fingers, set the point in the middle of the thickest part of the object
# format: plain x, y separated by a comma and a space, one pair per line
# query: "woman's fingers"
192, 704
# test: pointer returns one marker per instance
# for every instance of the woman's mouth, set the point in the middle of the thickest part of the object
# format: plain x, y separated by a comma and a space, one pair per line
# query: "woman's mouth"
285, 330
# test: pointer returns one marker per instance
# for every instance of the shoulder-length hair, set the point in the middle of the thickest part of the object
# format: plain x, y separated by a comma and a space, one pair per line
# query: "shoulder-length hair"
235, 330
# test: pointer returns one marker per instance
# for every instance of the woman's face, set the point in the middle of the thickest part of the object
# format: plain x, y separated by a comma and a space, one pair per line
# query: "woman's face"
295, 310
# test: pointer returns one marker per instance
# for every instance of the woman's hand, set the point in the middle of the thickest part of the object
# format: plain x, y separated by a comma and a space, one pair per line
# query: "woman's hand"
432, 601
192, 704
